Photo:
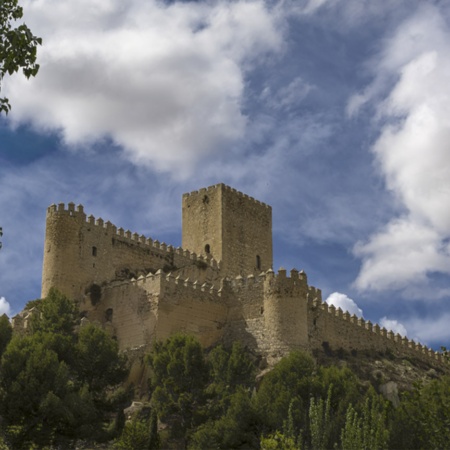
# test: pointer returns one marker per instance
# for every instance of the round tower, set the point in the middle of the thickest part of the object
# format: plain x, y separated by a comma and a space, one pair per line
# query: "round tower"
285, 309
63, 249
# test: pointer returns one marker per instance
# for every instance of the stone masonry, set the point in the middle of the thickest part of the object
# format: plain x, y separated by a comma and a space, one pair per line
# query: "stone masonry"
219, 287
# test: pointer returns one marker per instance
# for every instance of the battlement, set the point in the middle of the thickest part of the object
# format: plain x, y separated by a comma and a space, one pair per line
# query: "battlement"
392, 341
294, 285
128, 236
211, 189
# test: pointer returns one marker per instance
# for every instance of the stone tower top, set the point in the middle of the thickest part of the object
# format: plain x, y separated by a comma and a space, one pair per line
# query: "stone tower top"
230, 226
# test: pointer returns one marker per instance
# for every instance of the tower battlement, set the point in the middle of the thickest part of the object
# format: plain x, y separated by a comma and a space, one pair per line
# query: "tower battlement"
235, 192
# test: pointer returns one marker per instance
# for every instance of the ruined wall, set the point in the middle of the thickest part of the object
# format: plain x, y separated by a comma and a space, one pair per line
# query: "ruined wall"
80, 251
235, 228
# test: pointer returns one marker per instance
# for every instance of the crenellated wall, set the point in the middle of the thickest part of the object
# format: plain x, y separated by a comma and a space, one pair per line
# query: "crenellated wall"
82, 250
152, 307
142, 290
336, 329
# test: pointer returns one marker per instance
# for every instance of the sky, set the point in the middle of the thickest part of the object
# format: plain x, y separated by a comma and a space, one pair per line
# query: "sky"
334, 112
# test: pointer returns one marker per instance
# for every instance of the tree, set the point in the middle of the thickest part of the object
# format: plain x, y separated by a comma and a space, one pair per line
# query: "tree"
55, 384
5, 333
422, 420
18, 46
98, 362
290, 379
319, 421
369, 429
179, 378
33, 383
278, 441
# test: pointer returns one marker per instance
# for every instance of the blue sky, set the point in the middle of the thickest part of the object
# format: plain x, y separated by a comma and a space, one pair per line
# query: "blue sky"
335, 112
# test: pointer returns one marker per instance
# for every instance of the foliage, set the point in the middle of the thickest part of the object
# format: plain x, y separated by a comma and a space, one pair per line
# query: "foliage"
58, 314
235, 429
290, 379
320, 420
5, 333
45, 397
179, 378
367, 430
99, 363
423, 419
135, 436
278, 441
18, 46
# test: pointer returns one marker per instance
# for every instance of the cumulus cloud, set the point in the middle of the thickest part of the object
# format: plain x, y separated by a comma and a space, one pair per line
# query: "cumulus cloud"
163, 81
345, 303
5, 307
393, 325
429, 330
412, 153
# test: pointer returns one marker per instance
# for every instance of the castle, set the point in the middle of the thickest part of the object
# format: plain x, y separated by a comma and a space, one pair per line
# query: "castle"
219, 287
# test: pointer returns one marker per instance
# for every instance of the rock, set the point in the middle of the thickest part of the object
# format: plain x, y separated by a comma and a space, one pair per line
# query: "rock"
390, 392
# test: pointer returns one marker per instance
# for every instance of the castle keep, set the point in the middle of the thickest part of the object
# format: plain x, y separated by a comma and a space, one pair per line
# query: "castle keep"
219, 287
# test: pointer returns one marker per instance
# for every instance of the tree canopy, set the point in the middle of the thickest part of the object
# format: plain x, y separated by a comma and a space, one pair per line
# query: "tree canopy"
56, 382
18, 46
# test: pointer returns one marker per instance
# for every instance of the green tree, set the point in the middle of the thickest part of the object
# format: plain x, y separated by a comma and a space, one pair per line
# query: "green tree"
235, 429
422, 420
135, 436
33, 382
319, 421
57, 314
18, 46
278, 441
154, 442
368, 430
5, 333
55, 384
98, 362
290, 379
179, 378
346, 391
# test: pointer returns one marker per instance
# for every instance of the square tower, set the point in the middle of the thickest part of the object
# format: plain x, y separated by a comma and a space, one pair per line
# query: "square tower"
231, 227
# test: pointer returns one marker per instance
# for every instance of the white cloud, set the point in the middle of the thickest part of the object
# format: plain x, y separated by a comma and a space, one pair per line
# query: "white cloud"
5, 307
429, 329
345, 303
413, 155
393, 325
165, 82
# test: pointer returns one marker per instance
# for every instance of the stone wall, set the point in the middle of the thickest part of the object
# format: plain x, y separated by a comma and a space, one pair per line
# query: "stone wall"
235, 228
153, 307
334, 329
80, 251
142, 290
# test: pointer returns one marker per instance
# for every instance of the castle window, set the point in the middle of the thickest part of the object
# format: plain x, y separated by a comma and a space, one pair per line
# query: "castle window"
207, 248
258, 262
94, 251
109, 314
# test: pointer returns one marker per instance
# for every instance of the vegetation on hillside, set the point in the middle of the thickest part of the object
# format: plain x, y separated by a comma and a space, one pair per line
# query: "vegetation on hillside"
58, 387
55, 382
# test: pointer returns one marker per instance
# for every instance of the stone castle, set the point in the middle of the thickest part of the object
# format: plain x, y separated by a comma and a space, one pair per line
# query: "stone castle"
219, 286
